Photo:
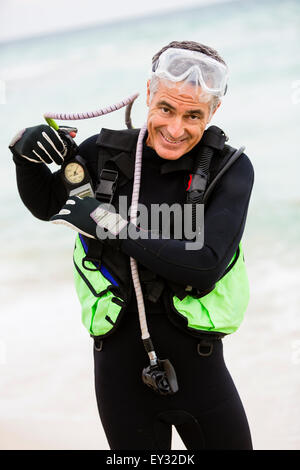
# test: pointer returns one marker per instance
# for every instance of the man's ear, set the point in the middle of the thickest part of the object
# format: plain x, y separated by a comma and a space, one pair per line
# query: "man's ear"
148, 93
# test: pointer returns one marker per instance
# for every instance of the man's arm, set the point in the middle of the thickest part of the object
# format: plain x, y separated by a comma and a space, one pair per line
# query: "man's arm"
42, 191
224, 223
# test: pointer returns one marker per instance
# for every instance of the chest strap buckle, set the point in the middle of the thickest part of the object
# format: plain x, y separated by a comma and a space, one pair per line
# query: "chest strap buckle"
107, 185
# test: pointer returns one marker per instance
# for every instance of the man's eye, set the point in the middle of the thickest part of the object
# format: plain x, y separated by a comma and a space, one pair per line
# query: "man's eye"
194, 117
165, 110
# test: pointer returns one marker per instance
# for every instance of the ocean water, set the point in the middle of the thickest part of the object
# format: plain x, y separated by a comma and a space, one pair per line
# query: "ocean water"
91, 68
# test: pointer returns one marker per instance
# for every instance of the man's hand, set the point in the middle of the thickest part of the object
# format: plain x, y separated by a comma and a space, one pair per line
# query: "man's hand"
39, 144
90, 218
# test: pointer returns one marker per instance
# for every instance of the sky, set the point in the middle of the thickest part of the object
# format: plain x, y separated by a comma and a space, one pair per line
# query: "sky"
25, 18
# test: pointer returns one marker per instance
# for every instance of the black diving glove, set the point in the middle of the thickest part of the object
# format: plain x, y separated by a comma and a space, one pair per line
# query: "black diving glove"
39, 144
92, 219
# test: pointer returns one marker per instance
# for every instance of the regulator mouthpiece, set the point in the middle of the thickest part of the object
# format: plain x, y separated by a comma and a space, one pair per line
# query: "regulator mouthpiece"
161, 377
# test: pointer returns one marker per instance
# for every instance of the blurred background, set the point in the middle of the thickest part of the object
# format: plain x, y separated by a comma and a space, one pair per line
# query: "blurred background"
77, 56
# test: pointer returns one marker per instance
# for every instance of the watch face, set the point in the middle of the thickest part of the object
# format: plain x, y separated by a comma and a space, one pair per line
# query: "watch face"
74, 173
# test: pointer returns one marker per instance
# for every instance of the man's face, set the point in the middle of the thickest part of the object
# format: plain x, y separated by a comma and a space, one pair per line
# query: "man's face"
176, 120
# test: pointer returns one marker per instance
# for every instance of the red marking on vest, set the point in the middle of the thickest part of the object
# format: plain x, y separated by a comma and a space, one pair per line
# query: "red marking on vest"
189, 183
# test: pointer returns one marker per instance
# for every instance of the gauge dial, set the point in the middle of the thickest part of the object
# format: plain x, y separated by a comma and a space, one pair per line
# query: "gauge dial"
74, 173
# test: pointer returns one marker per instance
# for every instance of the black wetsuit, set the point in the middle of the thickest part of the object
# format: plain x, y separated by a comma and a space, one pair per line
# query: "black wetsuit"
206, 410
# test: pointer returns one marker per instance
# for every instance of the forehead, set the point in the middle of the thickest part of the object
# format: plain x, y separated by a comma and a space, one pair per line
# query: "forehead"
181, 94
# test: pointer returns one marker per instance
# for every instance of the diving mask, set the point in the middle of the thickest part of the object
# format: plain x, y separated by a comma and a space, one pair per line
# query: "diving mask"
192, 68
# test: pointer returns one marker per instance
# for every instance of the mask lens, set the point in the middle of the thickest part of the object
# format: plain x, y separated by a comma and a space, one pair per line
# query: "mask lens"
212, 76
179, 68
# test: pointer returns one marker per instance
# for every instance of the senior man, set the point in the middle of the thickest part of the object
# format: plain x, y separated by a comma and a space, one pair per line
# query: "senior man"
189, 297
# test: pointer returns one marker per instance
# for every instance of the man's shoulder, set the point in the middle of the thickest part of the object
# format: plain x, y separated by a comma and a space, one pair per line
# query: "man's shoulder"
240, 171
243, 159
123, 139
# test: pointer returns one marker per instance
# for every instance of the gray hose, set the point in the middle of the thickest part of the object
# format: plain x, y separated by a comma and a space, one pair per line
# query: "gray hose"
134, 269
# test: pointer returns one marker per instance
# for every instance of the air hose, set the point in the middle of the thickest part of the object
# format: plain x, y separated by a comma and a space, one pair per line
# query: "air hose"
160, 376
128, 121
90, 114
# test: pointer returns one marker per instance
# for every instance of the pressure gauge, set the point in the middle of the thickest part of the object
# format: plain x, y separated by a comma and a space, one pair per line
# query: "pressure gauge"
76, 177
74, 172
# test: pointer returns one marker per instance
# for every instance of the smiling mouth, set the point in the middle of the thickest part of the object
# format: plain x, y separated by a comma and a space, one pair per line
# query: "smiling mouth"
170, 141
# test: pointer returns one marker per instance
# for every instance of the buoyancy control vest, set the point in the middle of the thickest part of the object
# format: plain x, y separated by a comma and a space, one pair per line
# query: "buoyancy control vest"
102, 275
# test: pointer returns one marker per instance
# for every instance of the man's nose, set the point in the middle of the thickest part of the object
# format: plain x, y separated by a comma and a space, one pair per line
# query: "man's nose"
175, 128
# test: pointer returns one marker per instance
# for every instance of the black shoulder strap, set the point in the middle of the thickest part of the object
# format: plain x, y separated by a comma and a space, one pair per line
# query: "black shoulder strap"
115, 161
212, 142
230, 156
